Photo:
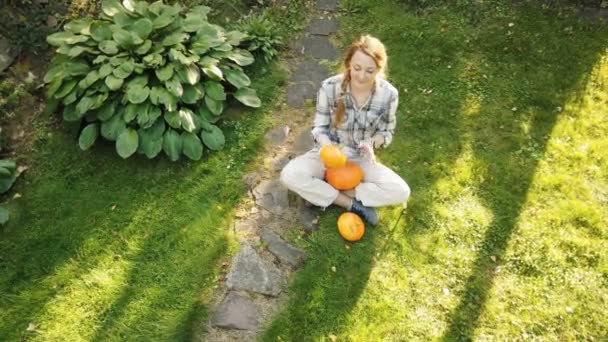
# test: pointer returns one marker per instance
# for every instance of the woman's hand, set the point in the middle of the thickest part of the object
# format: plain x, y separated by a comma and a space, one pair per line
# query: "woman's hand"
366, 149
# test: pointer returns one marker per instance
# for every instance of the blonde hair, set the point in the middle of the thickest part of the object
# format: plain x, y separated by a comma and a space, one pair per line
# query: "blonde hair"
370, 46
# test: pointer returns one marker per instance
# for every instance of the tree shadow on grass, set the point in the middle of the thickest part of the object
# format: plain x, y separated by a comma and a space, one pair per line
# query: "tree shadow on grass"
555, 69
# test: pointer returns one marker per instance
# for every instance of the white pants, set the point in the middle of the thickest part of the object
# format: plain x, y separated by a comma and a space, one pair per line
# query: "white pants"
380, 185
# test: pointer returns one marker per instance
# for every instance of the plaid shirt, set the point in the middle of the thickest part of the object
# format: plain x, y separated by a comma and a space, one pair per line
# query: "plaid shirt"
376, 117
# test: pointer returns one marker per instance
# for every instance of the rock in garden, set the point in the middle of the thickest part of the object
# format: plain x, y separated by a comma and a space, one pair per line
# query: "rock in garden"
323, 27
328, 5
8, 53
251, 273
272, 196
237, 312
317, 47
299, 93
278, 135
310, 71
285, 252
304, 143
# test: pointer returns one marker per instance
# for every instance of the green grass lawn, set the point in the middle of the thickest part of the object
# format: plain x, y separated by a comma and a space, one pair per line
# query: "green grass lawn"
502, 135
100, 248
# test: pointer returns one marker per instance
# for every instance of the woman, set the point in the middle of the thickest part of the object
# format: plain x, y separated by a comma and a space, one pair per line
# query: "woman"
356, 110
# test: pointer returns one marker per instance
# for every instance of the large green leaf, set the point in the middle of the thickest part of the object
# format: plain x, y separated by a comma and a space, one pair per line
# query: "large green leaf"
174, 87
109, 47
80, 26
124, 70
216, 107
127, 143
4, 215
106, 111
237, 78
124, 38
53, 87
70, 114
210, 34
65, 89
192, 93
83, 106
168, 100
248, 97
215, 90
59, 38
175, 38
71, 98
207, 116
157, 7
165, 73
186, 118
100, 31
130, 112
142, 27
173, 119
144, 48
91, 78
111, 7
192, 146
114, 83
105, 70
241, 57
193, 74
213, 72
213, 137
88, 136
163, 20
235, 37
149, 117
225, 47
150, 144
172, 144
112, 128
201, 10
193, 22
138, 94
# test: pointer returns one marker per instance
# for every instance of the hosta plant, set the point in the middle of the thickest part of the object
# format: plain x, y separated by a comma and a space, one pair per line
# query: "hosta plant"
8, 175
149, 77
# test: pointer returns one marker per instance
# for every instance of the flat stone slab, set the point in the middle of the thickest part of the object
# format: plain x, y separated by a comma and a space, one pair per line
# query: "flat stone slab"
285, 252
299, 93
8, 53
272, 196
309, 217
323, 27
279, 163
237, 312
318, 47
310, 71
328, 5
303, 143
250, 272
246, 225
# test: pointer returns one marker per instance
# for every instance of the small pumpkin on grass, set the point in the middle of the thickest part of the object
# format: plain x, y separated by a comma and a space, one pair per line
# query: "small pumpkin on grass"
351, 227
346, 177
332, 156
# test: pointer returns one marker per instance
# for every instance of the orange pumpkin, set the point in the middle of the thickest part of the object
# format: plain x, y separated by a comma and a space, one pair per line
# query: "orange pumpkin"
332, 156
351, 227
346, 177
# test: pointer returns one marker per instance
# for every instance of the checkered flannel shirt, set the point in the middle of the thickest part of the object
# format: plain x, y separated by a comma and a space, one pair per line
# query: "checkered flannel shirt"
376, 117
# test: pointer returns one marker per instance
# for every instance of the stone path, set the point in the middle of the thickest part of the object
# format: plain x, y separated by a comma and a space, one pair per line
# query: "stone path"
254, 288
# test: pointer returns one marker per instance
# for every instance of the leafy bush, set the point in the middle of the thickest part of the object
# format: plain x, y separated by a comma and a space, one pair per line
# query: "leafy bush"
262, 38
8, 175
149, 77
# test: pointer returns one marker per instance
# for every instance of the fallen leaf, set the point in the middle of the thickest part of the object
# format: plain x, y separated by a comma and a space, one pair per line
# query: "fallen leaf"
514, 109
569, 309
286, 130
511, 24
493, 258
347, 246
114, 207
31, 327
446, 291
17, 195
333, 268
333, 337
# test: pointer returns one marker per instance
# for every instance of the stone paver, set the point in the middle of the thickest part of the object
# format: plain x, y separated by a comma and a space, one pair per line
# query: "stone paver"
299, 93
323, 27
328, 5
309, 218
310, 71
285, 252
237, 312
278, 135
272, 196
250, 272
317, 47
